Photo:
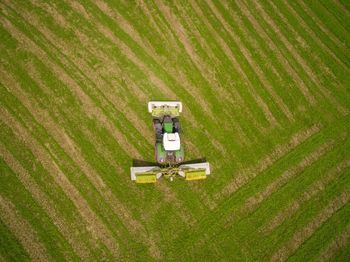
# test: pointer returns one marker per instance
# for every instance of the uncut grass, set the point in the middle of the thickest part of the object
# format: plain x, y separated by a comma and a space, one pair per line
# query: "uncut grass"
10, 247
331, 83
48, 234
219, 218
333, 227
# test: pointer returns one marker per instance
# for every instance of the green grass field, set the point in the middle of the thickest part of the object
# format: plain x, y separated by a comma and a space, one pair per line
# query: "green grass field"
265, 87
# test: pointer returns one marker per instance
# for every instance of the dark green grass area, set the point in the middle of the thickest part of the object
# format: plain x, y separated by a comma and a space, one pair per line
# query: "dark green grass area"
58, 57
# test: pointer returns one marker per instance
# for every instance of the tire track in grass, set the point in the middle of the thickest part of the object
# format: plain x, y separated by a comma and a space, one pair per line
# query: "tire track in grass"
291, 71
307, 231
322, 26
22, 230
325, 92
310, 192
261, 103
266, 84
71, 149
80, 63
95, 225
309, 31
278, 152
48, 206
88, 105
341, 242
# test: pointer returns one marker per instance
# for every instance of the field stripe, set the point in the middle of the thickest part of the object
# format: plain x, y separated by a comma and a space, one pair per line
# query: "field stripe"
322, 26
291, 71
307, 161
248, 56
80, 63
310, 32
341, 7
22, 230
261, 103
278, 152
147, 48
310, 192
180, 33
88, 105
229, 95
40, 197
341, 242
303, 234
326, 93
98, 229
233, 15
70, 149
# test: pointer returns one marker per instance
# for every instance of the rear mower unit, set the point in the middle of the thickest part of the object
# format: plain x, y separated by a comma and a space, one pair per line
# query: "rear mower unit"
169, 152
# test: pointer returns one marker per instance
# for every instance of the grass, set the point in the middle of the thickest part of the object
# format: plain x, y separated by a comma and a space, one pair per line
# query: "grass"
75, 81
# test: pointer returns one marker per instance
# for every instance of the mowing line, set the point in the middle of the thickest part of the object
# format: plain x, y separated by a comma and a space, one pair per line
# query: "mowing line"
263, 106
278, 152
107, 32
286, 64
326, 93
72, 151
246, 53
46, 203
95, 225
309, 31
307, 231
307, 161
339, 243
341, 7
88, 105
322, 26
128, 29
310, 192
231, 96
22, 230
117, 102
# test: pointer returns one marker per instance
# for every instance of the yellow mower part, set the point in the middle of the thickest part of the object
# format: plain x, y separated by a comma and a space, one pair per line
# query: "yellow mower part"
195, 174
146, 178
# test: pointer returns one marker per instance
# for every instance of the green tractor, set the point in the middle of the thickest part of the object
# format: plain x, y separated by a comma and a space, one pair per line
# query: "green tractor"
169, 152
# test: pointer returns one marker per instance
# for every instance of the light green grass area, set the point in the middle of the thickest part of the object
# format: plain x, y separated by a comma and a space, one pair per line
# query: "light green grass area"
265, 88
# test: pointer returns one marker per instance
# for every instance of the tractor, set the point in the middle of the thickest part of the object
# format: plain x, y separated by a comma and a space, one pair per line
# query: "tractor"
169, 152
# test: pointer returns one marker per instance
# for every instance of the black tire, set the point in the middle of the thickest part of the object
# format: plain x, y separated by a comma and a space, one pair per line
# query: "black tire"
177, 127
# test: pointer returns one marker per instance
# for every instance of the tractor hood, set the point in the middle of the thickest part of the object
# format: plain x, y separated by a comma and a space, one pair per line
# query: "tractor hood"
171, 141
